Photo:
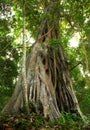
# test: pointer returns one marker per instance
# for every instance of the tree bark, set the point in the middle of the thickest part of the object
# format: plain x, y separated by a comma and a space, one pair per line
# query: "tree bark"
24, 84
48, 78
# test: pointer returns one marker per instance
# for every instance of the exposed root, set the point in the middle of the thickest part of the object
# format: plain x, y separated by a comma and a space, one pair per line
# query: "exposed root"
48, 83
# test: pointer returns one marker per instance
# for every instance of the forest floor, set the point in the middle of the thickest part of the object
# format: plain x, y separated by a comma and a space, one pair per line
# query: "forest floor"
37, 122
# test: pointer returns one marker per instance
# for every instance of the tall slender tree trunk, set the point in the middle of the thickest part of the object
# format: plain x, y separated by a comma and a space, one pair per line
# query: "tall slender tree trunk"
24, 80
48, 79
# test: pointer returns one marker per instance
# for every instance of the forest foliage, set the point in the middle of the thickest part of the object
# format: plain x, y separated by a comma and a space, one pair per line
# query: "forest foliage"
74, 20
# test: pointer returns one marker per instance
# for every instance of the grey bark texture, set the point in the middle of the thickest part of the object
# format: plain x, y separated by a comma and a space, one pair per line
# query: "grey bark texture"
48, 79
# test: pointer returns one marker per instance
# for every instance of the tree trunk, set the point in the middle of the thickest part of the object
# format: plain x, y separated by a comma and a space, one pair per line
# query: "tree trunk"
24, 85
48, 79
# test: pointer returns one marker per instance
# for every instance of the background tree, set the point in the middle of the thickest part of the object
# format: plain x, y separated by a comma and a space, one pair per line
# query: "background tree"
24, 79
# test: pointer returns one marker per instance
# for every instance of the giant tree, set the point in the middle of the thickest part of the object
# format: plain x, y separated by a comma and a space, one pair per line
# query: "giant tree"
49, 84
